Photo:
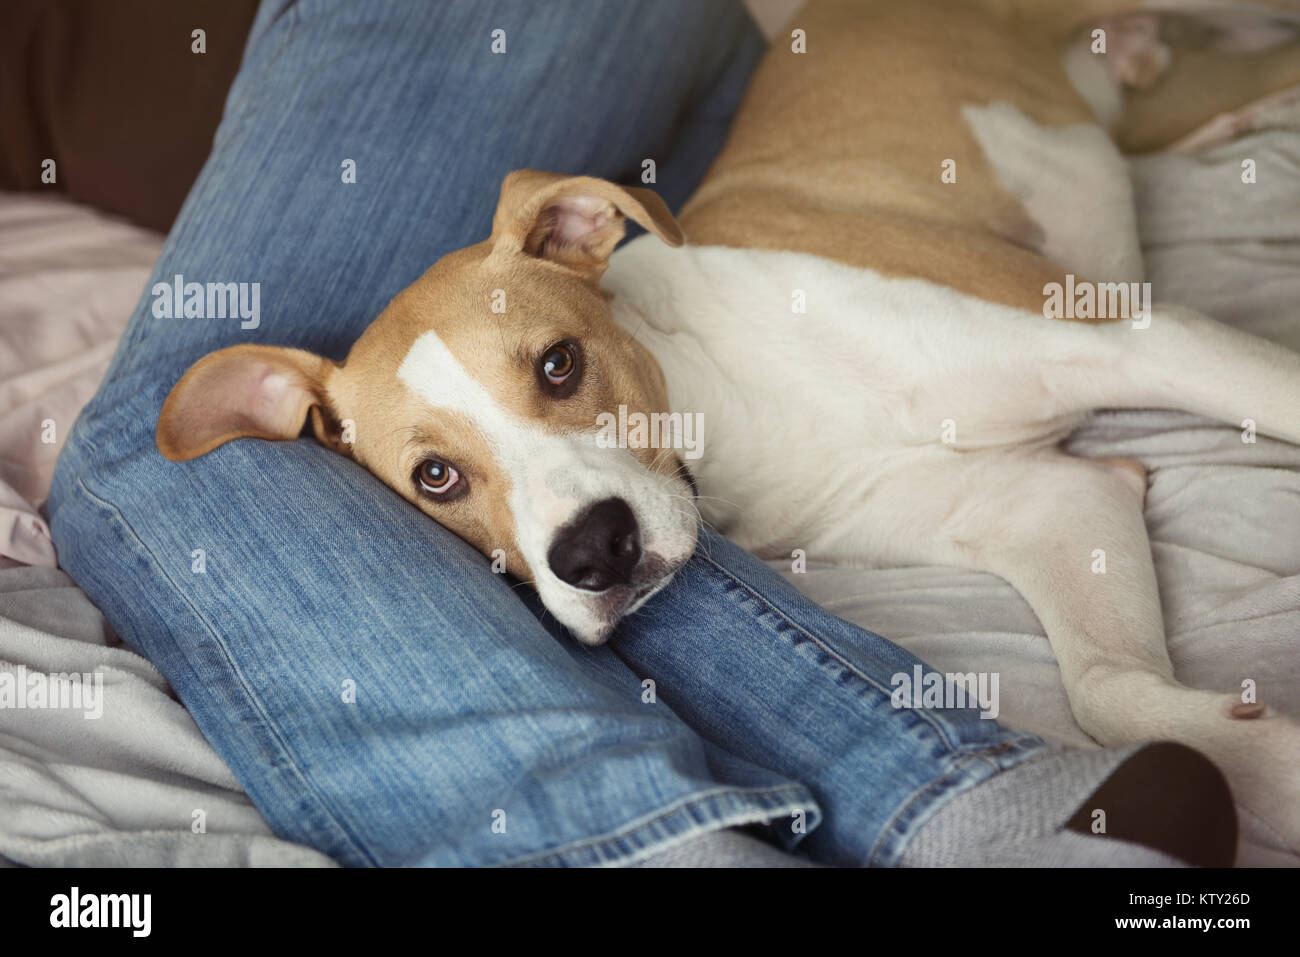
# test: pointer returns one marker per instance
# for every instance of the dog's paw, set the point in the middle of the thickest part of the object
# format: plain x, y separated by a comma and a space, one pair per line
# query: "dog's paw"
1258, 751
1255, 746
1135, 54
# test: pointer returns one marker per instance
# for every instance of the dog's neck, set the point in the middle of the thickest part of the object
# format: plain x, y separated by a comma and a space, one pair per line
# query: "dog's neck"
729, 329
653, 300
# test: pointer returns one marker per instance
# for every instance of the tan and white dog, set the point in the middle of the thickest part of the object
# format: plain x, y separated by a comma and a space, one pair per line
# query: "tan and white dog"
912, 414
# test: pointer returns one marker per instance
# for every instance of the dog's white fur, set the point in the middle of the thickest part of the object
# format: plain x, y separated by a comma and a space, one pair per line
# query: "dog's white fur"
825, 434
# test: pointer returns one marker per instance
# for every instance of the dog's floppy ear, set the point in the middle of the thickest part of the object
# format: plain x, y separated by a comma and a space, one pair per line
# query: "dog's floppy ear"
575, 221
263, 392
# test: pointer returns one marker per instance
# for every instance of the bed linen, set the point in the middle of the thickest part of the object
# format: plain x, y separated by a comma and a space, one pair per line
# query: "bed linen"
1224, 519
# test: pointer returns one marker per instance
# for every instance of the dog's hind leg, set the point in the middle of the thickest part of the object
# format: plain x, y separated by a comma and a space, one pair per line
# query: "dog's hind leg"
1069, 534
1202, 84
1056, 20
1164, 357
1177, 358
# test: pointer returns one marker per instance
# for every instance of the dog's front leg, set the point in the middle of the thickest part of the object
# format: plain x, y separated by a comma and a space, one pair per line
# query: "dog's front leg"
1069, 534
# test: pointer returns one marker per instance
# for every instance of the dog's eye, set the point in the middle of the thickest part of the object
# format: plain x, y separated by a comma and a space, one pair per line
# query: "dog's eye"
437, 478
560, 363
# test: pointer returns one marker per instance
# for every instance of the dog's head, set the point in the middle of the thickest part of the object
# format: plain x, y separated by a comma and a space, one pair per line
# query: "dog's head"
477, 395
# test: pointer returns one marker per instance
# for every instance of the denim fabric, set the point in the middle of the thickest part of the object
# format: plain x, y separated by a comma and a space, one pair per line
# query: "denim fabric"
272, 582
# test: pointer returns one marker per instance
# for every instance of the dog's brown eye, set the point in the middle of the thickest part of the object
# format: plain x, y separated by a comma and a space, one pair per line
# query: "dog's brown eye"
436, 478
559, 363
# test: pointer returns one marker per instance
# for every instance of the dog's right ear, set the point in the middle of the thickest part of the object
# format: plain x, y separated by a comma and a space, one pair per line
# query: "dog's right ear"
262, 392
574, 221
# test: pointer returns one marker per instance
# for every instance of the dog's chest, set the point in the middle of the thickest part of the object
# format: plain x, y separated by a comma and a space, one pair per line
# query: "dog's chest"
812, 380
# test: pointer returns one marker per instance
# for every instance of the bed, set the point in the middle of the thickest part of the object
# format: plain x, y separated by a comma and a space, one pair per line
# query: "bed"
140, 786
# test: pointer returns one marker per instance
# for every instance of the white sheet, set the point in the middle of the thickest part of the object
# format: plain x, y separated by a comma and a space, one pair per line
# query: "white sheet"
128, 788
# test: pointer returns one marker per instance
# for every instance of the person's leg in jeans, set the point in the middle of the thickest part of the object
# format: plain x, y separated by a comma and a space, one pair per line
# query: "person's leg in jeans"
382, 696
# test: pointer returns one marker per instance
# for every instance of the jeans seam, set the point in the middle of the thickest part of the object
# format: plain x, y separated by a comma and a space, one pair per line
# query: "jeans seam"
840, 659
291, 18
647, 822
252, 698
984, 755
887, 832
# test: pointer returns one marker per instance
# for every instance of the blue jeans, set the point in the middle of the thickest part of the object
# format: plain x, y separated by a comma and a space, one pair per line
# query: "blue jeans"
382, 696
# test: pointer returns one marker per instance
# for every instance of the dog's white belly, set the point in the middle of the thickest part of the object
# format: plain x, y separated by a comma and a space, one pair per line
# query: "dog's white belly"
806, 412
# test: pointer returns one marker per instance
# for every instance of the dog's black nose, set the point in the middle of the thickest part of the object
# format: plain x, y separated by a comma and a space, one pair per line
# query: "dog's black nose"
599, 548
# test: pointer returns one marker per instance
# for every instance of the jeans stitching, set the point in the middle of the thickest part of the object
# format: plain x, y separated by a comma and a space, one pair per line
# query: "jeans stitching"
631, 829
887, 832
291, 17
963, 760
947, 777
249, 695
838, 658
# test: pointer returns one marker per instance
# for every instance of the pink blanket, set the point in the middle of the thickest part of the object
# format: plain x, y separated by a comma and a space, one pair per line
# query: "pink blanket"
69, 280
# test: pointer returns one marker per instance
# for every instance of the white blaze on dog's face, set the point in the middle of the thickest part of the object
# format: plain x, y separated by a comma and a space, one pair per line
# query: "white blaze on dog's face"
476, 396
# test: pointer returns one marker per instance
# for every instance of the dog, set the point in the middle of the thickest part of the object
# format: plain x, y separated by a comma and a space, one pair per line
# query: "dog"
916, 180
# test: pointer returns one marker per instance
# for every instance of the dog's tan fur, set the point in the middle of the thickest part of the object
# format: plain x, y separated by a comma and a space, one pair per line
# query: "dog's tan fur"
837, 151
